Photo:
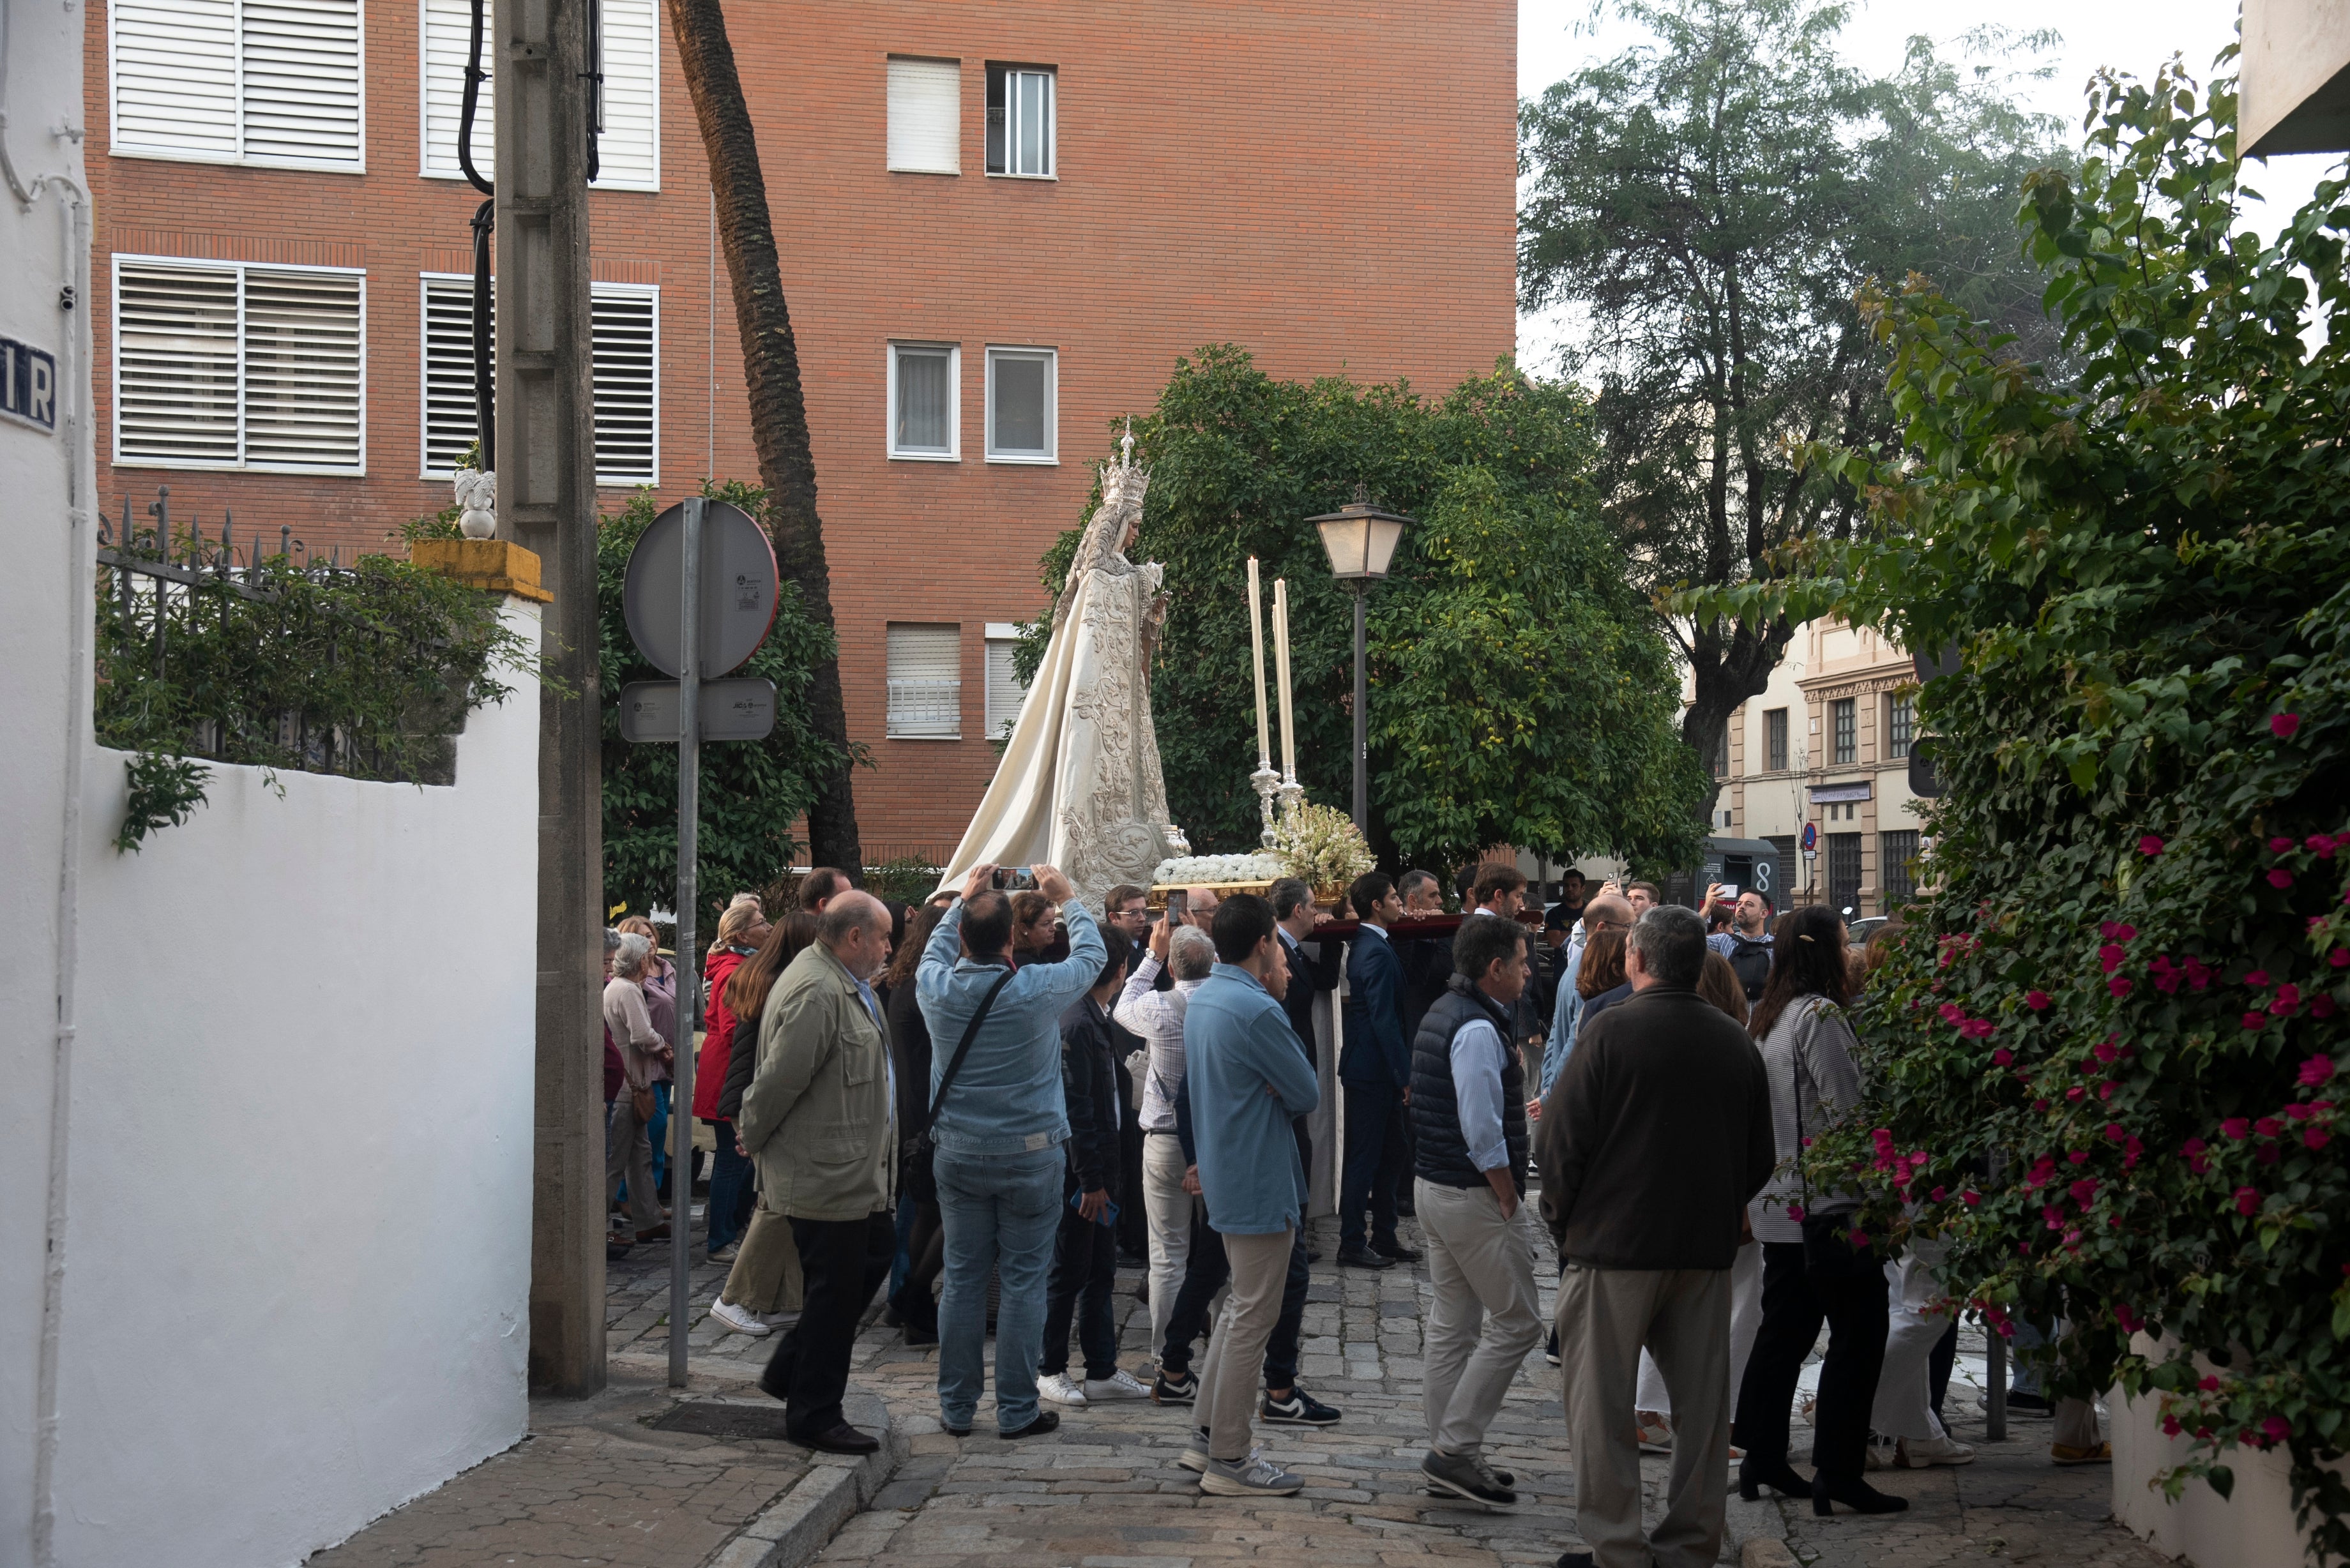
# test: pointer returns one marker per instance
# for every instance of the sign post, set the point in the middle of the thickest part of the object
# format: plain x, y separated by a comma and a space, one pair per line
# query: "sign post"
714, 632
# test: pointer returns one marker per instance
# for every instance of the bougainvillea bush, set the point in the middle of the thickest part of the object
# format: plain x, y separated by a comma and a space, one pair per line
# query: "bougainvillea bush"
2108, 1061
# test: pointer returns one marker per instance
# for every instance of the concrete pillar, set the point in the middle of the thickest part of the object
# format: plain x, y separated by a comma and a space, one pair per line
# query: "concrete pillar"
546, 465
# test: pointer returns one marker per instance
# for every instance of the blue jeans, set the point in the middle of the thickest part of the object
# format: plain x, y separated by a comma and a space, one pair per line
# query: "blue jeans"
658, 1131
1002, 1212
730, 1184
902, 1264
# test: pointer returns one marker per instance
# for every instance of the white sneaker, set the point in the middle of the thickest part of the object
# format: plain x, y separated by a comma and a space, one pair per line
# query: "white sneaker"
1195, 1452
1119, 1385
1251, 1477
742, 1320
1061, 1389
1917, 1453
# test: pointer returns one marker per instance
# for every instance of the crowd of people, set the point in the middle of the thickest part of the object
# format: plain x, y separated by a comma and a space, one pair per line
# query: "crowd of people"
980, 1101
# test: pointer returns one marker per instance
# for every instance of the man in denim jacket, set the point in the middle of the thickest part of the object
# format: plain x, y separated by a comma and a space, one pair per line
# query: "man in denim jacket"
998, 1133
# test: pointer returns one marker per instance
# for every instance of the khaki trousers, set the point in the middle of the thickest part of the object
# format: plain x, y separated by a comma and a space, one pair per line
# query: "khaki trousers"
1486, 1314
1684, 1317
628, 1156
1229, 1377
765, 1277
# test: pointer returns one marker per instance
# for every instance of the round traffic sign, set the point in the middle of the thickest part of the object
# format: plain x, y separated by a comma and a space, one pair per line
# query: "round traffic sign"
1811, 834
738, 590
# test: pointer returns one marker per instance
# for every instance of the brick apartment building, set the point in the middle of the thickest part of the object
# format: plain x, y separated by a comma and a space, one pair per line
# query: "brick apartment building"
1000, 226
1828, 745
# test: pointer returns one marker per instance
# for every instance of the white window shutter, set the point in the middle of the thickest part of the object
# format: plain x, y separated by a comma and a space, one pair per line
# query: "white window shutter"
302, 100
447, 43
627, 354
925, 683
450, 430
175, 77
1004, 690
628, 154
926, 116
175, 365
304, 369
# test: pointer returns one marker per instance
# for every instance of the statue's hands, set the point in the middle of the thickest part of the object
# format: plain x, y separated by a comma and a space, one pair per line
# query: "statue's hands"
977, 881
1053, 885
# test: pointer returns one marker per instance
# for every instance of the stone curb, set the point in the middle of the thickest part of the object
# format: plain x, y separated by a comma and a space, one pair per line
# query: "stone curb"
1754, 1534
802, 1522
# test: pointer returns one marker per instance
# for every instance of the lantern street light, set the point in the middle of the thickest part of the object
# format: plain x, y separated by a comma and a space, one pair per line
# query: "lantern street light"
1361, 540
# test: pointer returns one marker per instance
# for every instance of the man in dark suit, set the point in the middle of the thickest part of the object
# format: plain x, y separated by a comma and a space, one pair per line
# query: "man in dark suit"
1375, 1070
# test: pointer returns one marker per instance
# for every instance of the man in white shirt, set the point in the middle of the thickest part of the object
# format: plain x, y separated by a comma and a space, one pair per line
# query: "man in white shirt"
1157, 1018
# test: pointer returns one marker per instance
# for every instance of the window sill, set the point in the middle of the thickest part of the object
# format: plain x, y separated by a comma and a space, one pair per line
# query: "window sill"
924, 737
925, 457
165, 155
1041, 179
949, 174
167, 465
1018, 459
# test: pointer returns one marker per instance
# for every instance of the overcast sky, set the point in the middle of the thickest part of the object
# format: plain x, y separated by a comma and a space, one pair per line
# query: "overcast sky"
1557, 36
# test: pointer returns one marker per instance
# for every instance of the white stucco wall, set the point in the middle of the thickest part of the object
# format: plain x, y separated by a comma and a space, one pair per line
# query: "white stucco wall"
40, 85
299, 1233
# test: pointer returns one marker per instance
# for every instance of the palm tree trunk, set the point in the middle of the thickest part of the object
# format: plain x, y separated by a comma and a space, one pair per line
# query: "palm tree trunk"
771, 371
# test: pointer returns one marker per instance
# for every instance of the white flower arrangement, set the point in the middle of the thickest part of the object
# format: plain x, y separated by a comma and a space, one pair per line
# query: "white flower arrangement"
1194, 870
1321, 845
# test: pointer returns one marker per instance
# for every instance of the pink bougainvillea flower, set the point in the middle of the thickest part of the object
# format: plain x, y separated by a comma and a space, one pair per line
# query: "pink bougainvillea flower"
2002, 1056
2036, 1000
2119, 985
2268, 1127
2277, 1428
2110, 956
2131, 1151
2170, 1427
2256, 1020
2078, 1157
1859, 1239
2316, 1138
1939, 1194
2198, 973
2236, 1128
2339, 958
2105, 1090
2106, 1051
2258, 980
2149, 845
2321, 1006
2280, 845
1795, 1212
2126, 1316
2194, 1149
2037, 1105
2043, 1169
2298, 1112
2317, 1070
1978, 1028
2280, 878
2114, 1131
1971, 1198
2210, 1384
2083, 1189
2075, 1092
2247, 1201
2282, 726
1953, 1013
2321, 844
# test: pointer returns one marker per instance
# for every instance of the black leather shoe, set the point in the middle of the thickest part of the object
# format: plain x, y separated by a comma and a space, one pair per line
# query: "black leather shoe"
842, 1438
1045, 1421
1401, 1254
1575, 1560
1854, 1494
1754, 1474
1313, 1256
1363, 1258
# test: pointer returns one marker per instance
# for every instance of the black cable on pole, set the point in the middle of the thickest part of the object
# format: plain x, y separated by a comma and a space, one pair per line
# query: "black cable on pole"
485, 422
594, 76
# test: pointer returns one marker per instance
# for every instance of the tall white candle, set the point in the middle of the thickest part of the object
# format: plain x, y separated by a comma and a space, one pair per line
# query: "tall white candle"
1281, 654
1257, 648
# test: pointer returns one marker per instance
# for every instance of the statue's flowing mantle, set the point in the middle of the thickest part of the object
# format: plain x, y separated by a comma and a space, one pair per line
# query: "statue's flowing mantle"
1079, 786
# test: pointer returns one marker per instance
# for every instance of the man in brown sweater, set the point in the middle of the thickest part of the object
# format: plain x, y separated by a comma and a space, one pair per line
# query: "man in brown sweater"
1656, 1133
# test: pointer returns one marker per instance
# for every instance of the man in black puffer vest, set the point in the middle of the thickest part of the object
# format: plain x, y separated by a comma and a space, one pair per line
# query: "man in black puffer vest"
1469, 1112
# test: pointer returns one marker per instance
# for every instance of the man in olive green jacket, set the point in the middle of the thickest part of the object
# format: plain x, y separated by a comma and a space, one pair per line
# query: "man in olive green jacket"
818, 1120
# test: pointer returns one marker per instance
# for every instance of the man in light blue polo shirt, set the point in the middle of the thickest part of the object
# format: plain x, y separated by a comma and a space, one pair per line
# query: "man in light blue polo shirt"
998, 1133
1247, 1080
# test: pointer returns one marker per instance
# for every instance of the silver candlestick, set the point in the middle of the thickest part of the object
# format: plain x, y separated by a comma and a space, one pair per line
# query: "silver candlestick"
1268, 782
1291, 793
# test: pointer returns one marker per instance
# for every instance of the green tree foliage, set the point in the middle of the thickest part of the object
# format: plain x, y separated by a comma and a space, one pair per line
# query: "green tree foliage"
1521, 690
753, 791
2106, 1058
1712, 198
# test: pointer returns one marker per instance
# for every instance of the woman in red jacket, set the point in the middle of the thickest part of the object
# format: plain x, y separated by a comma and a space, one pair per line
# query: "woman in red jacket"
741, 931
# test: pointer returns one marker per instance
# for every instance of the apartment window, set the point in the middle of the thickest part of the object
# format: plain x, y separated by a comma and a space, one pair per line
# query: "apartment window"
925, 683
1775, 738
1023, 405
926, 116
225, 364
1721, 752
1844, 714
1844, 871
627, 151
925, 418
1900, 723
1897, 872
1020, 120
238, 81
626, 353
1005, 690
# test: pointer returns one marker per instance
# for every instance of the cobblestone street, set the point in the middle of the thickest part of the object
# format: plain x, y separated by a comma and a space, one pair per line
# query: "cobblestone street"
596, 1483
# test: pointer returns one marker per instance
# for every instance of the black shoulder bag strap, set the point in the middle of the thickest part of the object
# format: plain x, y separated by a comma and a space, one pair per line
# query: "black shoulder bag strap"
954, 1063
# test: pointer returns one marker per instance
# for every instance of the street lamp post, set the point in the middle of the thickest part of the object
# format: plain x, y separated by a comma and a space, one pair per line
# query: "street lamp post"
1361, 540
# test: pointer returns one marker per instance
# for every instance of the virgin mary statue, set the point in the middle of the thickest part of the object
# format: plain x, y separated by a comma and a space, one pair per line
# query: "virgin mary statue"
1079, 786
